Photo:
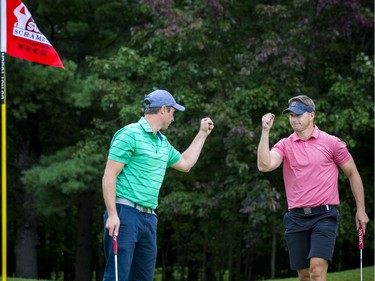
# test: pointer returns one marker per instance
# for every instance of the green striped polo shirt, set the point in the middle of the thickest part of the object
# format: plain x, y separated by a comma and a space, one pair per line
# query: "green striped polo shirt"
146, 156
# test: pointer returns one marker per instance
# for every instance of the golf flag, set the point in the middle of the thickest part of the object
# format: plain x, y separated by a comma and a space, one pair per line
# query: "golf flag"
23, 38
20, 38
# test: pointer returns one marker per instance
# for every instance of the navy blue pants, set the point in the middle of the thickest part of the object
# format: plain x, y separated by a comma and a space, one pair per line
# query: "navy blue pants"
137, 249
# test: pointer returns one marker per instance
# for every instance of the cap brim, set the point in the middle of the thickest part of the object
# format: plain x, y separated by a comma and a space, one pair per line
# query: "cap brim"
179, 107
295, 110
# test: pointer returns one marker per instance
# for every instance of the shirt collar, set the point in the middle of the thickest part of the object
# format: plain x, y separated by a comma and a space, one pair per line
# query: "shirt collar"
144, 124
315, 134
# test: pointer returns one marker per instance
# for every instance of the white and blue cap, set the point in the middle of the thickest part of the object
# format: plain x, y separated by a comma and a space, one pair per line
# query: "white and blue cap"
298, 107
158, 98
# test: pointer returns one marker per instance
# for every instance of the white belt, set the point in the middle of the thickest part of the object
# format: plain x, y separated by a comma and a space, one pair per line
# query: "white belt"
140, 208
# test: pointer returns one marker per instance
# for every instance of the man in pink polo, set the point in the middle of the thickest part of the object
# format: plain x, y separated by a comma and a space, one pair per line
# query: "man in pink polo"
311, 159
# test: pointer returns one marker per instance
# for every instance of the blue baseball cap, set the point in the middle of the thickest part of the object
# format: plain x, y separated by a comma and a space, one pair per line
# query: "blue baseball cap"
298, 108
158, 98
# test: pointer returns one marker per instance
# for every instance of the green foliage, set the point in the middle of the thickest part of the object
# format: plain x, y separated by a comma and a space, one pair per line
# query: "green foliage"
231, 60
59, 177
348, 105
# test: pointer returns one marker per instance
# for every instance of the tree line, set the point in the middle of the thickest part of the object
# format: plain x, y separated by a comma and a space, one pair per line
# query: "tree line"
230, 60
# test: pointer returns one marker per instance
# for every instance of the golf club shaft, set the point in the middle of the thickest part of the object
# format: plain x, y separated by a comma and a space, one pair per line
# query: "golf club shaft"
114, 240
360, 246
116, 270
360, 257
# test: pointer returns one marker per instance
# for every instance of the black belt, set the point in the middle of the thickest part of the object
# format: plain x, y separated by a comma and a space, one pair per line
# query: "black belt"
313, 210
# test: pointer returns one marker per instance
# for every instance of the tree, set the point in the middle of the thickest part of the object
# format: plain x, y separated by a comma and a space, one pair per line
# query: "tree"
232, 60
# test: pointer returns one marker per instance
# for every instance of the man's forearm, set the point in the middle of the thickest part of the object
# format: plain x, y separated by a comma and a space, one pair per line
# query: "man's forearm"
358, 191
109, 195
264, 157
191, 154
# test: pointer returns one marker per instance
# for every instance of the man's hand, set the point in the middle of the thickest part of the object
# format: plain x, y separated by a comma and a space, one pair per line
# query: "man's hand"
362, 219
113, 225
207, 125
267, 121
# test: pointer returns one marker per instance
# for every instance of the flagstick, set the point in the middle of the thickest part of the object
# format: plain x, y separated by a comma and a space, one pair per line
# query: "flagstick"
3, 29
3, 170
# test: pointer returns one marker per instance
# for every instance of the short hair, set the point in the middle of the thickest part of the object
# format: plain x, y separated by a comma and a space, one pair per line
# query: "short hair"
304, 99
155, 110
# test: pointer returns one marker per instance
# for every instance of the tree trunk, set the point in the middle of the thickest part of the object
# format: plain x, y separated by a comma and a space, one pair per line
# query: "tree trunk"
99, 264
273, 255
26, 232
204, 261
249, 263
25, 248
165, 253
193, 270
230, 257
83, 260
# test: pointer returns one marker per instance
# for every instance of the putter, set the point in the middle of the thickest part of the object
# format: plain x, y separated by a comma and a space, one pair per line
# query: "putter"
360, 246
114, 240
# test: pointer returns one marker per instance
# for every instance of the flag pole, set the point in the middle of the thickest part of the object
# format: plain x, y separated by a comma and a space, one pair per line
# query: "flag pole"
3, 171
3, 29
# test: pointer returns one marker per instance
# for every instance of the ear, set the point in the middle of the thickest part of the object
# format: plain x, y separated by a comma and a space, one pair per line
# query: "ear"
312, 115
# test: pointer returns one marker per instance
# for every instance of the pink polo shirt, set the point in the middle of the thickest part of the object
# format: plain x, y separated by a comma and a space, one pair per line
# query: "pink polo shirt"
310, 168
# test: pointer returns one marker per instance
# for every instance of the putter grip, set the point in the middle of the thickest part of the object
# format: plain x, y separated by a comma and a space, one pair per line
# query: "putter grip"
360, 236
114, 244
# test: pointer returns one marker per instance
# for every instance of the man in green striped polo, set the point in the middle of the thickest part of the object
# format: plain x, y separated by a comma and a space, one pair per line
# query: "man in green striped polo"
138, 157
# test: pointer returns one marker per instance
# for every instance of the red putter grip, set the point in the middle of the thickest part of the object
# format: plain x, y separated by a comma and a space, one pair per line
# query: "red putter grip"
360, 236
114, 244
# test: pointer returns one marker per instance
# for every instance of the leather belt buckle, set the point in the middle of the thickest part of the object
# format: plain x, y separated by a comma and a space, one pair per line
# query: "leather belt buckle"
307, 211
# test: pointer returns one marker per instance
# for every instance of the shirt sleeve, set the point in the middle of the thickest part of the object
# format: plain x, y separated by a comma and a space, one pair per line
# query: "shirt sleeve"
341, 154
174, 156
279, 147
122, 146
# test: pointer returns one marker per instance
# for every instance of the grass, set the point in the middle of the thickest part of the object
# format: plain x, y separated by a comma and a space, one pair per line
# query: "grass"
22, 279
348, 275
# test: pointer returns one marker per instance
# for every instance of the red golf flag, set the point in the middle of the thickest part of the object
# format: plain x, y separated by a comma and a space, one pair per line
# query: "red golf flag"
24, 40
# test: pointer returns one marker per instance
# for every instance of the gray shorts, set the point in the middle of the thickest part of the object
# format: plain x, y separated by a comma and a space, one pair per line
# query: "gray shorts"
310, 235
